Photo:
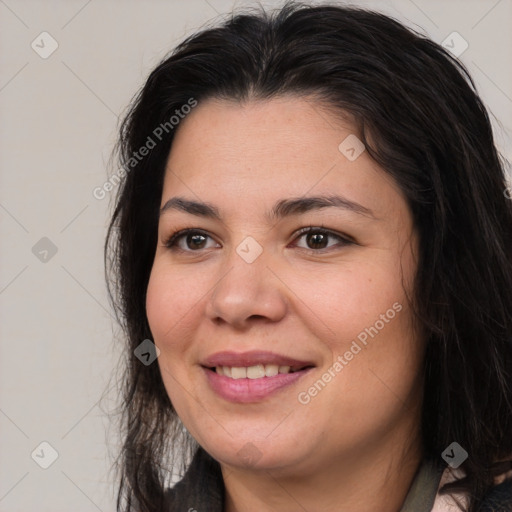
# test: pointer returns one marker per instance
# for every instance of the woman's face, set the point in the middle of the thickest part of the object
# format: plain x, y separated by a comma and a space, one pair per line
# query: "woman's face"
250, 294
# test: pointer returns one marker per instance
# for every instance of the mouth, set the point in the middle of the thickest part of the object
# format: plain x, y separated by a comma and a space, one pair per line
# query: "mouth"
252, 376
255, 364
257, 371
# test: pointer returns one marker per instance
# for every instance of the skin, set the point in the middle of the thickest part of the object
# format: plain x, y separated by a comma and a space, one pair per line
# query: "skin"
356, 444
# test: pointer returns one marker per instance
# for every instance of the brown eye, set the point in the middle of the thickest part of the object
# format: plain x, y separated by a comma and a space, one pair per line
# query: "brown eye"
318, 239
188, 240
195, 241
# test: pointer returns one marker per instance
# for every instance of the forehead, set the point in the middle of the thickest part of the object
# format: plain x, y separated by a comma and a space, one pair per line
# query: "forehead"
268, 149
295, 125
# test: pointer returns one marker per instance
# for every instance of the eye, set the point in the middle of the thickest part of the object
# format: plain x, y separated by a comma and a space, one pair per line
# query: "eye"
317, 239
192, 239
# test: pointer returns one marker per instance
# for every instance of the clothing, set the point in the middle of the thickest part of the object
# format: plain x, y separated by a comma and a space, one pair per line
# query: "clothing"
206, 493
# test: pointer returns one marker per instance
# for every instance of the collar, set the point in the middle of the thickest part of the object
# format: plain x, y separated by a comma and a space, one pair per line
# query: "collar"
423, 491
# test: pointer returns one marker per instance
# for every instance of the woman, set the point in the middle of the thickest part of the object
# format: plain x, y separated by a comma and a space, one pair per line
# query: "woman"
314, 233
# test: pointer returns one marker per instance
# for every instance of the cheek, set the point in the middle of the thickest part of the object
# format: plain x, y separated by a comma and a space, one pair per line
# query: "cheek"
157, 303
341, 303
170, 301
169, 308
362, 315
173, 309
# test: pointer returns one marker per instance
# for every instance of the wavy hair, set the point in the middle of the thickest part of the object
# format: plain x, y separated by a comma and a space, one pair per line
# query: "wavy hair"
419, 115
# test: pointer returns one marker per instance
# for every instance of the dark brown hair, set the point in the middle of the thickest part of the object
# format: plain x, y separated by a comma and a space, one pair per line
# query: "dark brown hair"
422, 121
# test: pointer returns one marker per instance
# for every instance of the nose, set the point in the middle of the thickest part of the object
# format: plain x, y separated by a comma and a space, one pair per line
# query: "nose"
247, 292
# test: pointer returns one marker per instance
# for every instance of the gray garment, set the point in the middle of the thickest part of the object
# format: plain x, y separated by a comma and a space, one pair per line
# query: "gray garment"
423, 490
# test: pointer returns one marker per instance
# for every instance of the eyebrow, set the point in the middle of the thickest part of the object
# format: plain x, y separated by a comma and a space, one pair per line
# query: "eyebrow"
283, 208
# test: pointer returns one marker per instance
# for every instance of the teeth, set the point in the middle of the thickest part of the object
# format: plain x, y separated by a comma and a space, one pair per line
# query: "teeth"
252, 372
238, 373
271, 370
256, 372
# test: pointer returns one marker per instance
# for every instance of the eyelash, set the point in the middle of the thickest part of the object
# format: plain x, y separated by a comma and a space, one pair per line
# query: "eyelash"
171, 241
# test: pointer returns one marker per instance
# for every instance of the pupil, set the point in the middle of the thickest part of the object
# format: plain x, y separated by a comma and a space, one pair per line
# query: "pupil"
317, 238
195, 240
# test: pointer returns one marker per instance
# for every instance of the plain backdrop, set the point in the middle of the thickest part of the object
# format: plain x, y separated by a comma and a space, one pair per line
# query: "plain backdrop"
58, 121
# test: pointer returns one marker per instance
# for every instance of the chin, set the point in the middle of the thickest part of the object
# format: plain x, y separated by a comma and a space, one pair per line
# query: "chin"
246, 452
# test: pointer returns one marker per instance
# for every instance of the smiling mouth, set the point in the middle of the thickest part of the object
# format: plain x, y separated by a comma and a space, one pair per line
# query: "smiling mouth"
258, 371
253, 376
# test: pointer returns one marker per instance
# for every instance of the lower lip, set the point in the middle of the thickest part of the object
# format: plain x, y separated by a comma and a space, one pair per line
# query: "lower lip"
251, 390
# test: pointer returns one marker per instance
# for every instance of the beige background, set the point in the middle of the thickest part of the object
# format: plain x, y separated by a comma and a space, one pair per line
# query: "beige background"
58, 123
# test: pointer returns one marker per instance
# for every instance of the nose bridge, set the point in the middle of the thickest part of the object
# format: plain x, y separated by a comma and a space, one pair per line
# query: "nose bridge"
247, 287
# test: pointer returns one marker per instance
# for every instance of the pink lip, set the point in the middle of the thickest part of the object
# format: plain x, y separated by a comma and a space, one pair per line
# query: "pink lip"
252, 358
250, 390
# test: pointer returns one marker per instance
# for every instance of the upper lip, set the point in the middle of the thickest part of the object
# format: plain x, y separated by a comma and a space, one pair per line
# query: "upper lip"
252, 358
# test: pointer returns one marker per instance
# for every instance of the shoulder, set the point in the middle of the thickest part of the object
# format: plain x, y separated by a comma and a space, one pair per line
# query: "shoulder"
499, 498
200, 489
